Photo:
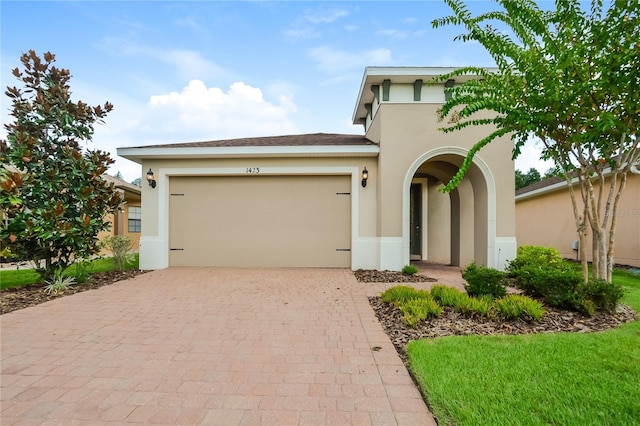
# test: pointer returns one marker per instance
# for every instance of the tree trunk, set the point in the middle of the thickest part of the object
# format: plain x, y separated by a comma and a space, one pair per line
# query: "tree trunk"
580, 228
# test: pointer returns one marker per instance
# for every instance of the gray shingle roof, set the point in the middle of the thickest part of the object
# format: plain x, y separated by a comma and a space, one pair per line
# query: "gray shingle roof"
314, 139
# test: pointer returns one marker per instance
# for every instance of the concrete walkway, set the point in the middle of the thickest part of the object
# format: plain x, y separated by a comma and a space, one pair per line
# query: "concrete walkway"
208, 346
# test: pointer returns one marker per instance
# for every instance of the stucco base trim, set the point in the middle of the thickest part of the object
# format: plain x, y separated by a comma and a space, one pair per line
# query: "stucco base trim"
365, 253
153, 253
505, 251
391, 254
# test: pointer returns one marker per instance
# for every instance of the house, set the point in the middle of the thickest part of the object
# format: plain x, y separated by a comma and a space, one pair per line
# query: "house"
366, 201
544, 217
127, 220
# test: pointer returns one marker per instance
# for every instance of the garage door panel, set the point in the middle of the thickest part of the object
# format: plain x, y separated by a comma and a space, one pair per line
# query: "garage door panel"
260, 221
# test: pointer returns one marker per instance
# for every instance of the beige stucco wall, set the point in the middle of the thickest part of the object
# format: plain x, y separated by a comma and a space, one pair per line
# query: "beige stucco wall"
120, 227
547, 220
214, 166
409, 131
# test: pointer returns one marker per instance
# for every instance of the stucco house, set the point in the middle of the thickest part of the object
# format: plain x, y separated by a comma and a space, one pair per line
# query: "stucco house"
127, 219
330, 200
544, 217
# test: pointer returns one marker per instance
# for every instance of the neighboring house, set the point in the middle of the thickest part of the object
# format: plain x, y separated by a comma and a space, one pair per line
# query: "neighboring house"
544, 217
325, 200
127, 220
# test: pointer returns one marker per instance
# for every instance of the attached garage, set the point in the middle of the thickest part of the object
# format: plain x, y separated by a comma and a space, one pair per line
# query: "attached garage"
260, 220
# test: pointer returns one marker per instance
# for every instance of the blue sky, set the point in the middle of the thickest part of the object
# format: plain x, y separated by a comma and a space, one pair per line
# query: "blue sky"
206, 70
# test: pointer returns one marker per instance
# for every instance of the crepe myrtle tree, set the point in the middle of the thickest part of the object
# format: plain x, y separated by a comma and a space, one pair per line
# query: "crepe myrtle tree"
569, 79
53, 197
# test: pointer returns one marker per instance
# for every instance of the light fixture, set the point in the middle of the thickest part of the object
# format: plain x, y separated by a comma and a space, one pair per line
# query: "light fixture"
151, 178
365, 176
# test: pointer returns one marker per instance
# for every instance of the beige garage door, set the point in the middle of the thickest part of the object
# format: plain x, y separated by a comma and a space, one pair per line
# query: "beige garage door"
260, 221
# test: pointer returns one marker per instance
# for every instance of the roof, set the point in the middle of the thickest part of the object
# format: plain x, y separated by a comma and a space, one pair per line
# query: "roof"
314, 139
308, 145
121, 184
539, 185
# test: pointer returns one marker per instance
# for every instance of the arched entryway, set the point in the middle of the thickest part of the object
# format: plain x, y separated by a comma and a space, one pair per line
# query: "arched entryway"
454, 228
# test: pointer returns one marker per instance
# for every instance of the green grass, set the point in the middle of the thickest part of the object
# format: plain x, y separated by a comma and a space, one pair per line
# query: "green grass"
564, 378
12, 278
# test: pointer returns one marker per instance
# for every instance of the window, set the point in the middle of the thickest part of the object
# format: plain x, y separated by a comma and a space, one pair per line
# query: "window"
135, 219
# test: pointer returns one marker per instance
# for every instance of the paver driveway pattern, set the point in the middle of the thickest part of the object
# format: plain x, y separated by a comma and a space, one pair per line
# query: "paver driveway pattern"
208, 346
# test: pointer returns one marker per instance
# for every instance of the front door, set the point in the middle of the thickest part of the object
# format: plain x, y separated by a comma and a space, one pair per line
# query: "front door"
415, 221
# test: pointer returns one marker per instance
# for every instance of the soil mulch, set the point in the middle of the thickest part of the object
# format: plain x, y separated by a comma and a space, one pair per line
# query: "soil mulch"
373, 276
12, 299
454, 323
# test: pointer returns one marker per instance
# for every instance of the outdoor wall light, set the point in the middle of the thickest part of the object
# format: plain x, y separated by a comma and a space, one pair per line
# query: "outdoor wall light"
151, 178
365, 176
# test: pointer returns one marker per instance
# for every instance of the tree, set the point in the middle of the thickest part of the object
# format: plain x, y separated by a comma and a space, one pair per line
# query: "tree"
526, 179
570, 78
137, 182
52, 192
118, 175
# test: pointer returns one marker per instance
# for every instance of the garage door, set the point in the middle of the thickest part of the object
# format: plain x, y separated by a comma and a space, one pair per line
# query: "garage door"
260, 221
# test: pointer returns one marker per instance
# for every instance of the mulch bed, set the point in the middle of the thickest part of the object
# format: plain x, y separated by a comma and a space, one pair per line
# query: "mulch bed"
454, 323
373, 276
22, 297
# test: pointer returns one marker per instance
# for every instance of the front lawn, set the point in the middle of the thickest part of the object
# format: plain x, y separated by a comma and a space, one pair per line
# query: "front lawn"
562, 378
13, 278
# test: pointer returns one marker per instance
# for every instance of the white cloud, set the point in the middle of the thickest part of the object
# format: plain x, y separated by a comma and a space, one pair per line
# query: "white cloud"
530, 158
211, 113
336, 61
324, 16
195, 113
400, 34
189, 64
306, 25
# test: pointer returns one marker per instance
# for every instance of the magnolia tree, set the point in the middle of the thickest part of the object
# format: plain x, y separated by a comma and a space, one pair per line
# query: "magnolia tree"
569, 78
53, 197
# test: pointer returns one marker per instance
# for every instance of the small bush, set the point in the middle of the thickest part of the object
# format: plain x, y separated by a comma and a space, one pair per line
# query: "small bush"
119, 246
83, 269
484, 281
58, 283
481, 306
534, 255
603, 295
447, 296
416, 310
557, 285
410, 269
515, 306
402, 293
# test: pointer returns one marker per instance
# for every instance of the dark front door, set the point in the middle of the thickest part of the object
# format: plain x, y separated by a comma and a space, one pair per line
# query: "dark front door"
415, 221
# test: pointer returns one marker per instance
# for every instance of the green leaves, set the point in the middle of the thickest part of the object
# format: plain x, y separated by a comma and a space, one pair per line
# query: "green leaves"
54, 198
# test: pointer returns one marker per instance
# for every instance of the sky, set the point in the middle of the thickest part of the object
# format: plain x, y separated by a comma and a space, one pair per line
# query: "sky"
208, 70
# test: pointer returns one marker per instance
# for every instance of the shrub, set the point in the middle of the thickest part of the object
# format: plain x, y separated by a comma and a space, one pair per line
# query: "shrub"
603, 295
410, 269
534, 255
83, 268
484, 281
416, 310
119, 246
58, 283
447, 296
515, 306
557, 285
402, 293
481, 306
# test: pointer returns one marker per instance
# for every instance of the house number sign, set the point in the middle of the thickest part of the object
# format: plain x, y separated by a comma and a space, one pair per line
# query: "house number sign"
253, 170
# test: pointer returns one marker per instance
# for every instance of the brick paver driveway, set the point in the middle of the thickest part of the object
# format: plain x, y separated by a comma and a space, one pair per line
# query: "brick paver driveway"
208, 346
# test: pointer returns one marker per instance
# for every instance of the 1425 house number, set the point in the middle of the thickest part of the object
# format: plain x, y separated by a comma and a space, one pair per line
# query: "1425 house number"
253, 170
